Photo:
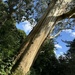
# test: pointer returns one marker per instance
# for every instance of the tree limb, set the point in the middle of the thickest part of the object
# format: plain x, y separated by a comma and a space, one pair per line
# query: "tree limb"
70, 14
51, 37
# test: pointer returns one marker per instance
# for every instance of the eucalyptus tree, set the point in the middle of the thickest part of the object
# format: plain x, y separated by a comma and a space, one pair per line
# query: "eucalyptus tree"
56, 11
51, 23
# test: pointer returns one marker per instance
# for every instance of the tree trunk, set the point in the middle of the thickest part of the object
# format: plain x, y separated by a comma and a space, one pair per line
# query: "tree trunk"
37, 36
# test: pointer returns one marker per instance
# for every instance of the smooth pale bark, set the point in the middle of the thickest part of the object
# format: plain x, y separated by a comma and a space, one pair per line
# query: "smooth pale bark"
37, 36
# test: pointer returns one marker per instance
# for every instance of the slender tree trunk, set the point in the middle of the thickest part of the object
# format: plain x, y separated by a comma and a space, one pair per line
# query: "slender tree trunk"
37, 36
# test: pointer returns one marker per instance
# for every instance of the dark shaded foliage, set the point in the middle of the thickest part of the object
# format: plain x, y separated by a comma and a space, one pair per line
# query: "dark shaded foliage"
10, 40
47, 64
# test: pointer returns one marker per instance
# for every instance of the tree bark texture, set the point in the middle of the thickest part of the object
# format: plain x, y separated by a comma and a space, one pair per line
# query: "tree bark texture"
37, 36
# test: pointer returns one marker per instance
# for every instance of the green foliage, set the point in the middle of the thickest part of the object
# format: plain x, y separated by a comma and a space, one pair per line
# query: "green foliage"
11, 11
15, 9
47, 64
71, 44
10, 40
17, 72
67, 63
71, 57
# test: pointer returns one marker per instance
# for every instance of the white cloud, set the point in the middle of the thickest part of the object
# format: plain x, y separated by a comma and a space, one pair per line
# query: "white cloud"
61, 53
27, 27
57, 55
55, 51
68, 31
73, 34
58, 46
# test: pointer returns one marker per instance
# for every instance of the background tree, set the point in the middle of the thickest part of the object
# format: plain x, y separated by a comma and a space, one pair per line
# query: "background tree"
11, 38
66, 62
14, 9
10, 41
46, 62
70, 55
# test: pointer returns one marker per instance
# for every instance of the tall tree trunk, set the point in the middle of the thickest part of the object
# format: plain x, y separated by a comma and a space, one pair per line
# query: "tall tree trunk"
37, 36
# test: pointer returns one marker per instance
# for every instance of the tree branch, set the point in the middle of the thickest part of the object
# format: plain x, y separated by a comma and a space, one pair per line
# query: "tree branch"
51, 37
70, 14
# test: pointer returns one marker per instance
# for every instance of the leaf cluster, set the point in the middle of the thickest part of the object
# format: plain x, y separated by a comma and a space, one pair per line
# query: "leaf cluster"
10, 40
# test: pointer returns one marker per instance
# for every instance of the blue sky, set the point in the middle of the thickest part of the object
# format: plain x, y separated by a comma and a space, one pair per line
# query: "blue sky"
61, 46
68, 35
26, 26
